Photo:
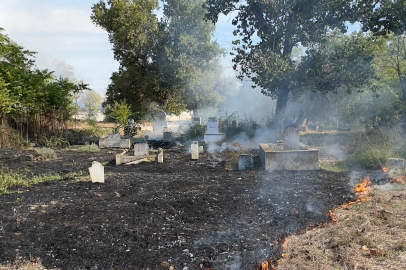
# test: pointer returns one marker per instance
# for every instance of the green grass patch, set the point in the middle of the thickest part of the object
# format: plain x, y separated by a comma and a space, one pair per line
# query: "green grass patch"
10, 179
93, 148
46, 153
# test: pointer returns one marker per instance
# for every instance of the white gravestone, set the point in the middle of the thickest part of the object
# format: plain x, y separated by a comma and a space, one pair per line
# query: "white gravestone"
194, 149
160, 155
212, 133
291, 139
96, 172
141, 149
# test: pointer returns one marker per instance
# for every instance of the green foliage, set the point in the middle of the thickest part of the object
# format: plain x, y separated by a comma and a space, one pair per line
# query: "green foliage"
92, 148
120, 112
93, 129
32, 101
10, 179
195, 132
46, 153
161, 61
92, 101
55, 142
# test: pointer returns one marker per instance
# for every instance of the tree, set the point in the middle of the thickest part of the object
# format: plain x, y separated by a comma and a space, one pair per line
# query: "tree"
92, 102
160, 60
267, 32
120, 112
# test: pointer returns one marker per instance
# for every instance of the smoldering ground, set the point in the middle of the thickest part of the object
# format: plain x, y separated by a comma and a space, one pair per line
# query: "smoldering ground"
182, 213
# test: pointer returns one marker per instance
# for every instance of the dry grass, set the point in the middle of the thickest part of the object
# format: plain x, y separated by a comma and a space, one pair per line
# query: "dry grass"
368, 235
32, 264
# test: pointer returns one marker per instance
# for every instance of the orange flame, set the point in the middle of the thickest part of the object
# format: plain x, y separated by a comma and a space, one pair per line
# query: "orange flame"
363, 186
399, 180
385, 170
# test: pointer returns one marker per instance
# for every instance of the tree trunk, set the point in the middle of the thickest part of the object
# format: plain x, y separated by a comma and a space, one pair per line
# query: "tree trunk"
277, 122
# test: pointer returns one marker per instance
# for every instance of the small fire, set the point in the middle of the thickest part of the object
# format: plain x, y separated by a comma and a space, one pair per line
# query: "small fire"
385, 170
266, 266
363, 186
333, 218
399, 180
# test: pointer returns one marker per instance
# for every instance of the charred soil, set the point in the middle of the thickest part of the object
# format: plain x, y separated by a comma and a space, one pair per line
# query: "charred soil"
182, 213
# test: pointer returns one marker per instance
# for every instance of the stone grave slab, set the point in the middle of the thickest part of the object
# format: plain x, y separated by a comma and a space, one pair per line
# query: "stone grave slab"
141, 149
114, 143
295, 160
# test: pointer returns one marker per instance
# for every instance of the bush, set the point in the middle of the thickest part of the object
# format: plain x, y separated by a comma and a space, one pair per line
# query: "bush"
93, 148
195, 132
46, 153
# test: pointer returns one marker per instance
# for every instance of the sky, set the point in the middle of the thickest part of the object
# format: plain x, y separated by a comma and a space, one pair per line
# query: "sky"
61, 31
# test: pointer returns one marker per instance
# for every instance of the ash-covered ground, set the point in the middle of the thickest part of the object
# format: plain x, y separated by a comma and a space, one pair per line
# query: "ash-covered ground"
182, 213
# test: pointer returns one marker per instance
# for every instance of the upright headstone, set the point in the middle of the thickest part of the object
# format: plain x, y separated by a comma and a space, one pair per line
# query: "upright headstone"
201, 149
212, 126
160, 155
141, 149
97, 172
167, 135
194, 149
291, 139
196, 120
245, 162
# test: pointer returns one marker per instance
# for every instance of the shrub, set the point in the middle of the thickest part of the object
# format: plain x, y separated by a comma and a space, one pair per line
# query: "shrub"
93, 148
46, 153
195, 132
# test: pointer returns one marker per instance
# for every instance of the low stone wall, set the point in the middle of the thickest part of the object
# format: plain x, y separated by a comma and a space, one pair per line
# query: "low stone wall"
294, 160
114, 143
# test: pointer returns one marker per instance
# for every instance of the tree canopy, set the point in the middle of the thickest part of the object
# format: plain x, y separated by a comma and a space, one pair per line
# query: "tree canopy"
160, 59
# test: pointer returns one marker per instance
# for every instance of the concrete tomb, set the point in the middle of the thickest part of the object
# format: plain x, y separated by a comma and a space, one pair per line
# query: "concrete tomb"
295, 160
160, 155
194, 149
212, 133
141, 149
96, 172
245, 162
291, 139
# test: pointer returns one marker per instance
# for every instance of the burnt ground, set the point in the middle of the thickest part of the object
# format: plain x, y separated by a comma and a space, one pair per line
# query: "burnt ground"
182, 213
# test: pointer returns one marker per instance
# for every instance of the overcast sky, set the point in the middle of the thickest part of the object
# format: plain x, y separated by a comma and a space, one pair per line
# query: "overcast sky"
62, 30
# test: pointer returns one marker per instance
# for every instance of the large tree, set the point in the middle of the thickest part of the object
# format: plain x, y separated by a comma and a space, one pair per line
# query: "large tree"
267, 32
160, 59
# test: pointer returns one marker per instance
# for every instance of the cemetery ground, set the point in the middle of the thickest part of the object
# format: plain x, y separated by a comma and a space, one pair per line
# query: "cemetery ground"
186, 214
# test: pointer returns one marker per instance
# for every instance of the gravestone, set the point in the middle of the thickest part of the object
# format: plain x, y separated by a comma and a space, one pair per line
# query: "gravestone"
212, 132
160, 155
291, 139
96, 172
167, 135
245, 162
196, 120
194, 149
141, 149
201, 149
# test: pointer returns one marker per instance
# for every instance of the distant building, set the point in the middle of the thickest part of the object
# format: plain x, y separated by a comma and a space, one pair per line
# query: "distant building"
83, 114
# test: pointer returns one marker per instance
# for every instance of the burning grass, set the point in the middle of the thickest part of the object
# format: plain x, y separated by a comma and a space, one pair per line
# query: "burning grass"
368, 234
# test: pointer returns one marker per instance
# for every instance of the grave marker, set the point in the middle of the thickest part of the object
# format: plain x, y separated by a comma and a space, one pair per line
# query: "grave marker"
96, 172
194, 149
